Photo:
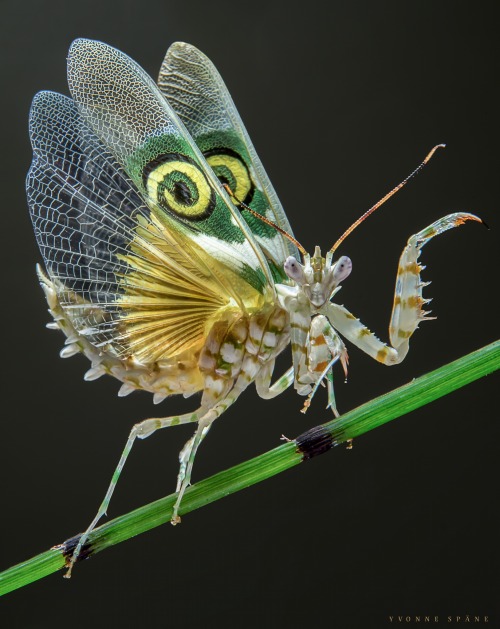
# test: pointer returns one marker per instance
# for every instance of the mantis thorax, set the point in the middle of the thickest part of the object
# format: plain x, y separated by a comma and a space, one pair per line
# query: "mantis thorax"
318, 278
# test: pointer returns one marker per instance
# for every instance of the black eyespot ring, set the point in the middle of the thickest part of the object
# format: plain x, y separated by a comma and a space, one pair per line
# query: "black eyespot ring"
178, 184
231, 169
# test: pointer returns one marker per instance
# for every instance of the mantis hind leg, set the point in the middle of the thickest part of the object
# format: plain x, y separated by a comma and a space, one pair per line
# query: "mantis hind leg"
186, 460
265, 389
188, 452
141, 430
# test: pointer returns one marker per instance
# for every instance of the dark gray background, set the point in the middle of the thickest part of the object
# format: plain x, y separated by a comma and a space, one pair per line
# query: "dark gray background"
342, 103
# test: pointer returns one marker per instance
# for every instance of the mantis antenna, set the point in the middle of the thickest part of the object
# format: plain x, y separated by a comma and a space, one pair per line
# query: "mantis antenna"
265, 220
384, 199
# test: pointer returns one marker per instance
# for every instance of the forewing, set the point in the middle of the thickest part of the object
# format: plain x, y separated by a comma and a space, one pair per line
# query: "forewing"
127, 112
194, 88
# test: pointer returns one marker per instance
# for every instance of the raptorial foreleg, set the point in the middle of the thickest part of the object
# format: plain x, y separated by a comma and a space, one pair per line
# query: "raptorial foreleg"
408, 309
325, 348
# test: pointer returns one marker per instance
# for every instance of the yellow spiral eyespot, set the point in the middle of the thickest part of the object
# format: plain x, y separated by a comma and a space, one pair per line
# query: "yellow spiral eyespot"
178, 184
232, 170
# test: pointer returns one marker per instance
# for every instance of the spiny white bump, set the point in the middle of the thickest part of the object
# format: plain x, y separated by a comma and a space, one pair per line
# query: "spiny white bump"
69, 350
94, 373
126, 389
158, 397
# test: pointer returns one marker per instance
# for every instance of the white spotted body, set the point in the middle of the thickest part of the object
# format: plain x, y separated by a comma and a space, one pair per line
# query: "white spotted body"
170, 262
236, 349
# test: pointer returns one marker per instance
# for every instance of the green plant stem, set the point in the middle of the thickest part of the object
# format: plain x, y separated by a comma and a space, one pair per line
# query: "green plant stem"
312, 443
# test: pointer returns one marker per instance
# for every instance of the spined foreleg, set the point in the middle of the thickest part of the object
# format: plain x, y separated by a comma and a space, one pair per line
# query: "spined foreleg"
408, 309
324, 349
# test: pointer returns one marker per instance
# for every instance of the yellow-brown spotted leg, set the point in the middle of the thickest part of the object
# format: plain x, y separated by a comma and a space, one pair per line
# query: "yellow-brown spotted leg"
408, 301
408, 305
300, 319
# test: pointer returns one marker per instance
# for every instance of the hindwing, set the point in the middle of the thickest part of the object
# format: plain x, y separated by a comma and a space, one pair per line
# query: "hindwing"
142, 244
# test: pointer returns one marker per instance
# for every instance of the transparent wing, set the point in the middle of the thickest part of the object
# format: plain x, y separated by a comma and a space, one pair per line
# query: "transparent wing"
194, 88
127, 283
127, 112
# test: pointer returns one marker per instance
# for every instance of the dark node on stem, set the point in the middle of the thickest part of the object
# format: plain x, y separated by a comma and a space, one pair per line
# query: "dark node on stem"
314, 442
68, 547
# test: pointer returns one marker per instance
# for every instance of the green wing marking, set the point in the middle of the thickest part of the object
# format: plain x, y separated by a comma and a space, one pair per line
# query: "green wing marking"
194, 88
127, 112
141, 243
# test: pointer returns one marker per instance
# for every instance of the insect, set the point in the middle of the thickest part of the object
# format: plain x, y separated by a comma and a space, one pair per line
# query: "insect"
170, 262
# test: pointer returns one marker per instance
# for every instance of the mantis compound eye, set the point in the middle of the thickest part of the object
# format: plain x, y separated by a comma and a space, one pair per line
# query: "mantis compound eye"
342, 269
294, 270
